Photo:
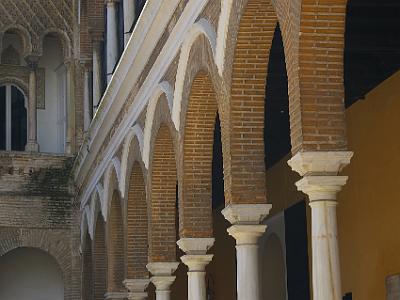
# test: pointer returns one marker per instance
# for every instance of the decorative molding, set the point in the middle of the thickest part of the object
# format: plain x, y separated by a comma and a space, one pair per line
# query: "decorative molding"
320, 162
246, 213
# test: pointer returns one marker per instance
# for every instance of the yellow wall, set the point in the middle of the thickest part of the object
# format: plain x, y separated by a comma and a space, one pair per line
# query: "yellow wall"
369, 205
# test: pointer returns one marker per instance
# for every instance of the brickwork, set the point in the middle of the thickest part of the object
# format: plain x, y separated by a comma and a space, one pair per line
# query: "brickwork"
195, 217
87, 270
137, 222
254, 39
99, 260
115, 247
162, 247
321, 75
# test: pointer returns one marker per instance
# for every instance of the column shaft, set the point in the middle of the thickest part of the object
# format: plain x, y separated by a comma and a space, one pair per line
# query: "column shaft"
69, 139
247, 230
32, 144
129, 17
97, 81
112, 37
321, 183
87, 106
325, 252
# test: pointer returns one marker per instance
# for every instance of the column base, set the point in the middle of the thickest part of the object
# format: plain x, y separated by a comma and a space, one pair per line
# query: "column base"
32, 147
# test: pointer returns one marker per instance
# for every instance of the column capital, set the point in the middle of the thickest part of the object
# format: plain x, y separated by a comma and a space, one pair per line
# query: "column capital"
162, 283
320, 162
197, 262
86, 64
246, 213
136, 288
136, 285
115, 295
162, 268
246, 234
321, 188
32, 61
195, 245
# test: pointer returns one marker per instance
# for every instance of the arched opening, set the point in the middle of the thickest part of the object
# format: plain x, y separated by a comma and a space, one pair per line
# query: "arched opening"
273, 270
99, 259
250, 63
115, 246
87, 270
51, 97
163, 231
13, 118
137, 226
30, 274
12, 49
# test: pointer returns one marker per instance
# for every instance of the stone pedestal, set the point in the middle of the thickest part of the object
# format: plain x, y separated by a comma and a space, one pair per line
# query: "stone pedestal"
162, 278
112, 37
32, 144
246, 230
137, 288
196, 259
321, 183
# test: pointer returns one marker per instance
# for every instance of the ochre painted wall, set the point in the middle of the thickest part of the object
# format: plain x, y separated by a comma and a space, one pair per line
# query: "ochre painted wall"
369, 205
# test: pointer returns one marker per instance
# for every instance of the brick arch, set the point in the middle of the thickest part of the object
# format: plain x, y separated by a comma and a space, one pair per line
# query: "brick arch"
132, 150
111, 181
42, 240
162, 196
321, 62
197, 138
137, 224
255, 30
87, 269
115, 245
99, 259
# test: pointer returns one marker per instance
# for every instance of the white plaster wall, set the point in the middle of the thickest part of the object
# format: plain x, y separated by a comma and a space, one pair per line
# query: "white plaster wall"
47, 118
30, 274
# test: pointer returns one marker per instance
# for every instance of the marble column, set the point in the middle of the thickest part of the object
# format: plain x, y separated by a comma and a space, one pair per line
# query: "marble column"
247, 229
196, 259
97, 80
129, 17
112, 37
137, 288
162, 278
321, 183
87, 99
32, 144
70, 130
393, 287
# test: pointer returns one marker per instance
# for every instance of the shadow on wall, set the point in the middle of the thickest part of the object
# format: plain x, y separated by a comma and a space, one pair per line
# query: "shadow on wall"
28, 273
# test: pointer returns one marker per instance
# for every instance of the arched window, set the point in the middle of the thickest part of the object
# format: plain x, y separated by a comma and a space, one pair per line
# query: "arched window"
13, 122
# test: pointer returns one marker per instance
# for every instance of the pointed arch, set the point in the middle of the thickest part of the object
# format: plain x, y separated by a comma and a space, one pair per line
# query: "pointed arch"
63, 38
23, 33
132, 149
201, 27
163, 179
163, 90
